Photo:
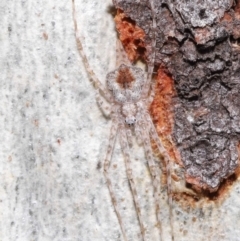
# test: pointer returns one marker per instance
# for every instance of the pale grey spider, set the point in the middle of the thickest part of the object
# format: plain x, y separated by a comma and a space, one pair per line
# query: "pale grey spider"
130, 93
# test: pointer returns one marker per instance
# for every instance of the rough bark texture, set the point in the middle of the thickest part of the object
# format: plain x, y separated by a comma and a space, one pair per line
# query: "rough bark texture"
198, 44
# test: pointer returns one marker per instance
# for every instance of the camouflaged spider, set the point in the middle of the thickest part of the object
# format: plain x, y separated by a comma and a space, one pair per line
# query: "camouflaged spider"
130, 93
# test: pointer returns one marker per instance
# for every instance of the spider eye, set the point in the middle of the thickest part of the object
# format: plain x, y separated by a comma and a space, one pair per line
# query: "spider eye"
130, 121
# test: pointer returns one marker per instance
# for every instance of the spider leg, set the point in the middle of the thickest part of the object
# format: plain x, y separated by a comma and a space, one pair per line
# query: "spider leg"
137, 130
104, 106
93, 78
151, 61
112, 140
155, 174
129, 136
167, 160
151, 94
126, 152
121, 56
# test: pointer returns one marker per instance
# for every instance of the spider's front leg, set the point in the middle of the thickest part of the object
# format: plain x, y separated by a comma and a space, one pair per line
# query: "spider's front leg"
154, 170
167, 159
126, 153
129, 136
112, 139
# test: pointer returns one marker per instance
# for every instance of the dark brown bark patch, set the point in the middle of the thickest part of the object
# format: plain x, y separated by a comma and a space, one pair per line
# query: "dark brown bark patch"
198, 42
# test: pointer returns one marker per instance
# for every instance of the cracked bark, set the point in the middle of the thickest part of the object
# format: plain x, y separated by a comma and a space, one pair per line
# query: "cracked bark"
198, 45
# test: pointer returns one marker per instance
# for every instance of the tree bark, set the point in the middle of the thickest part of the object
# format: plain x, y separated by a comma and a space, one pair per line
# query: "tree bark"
198, 47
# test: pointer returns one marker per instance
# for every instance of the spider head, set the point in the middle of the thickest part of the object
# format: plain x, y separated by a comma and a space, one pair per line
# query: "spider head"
129, 112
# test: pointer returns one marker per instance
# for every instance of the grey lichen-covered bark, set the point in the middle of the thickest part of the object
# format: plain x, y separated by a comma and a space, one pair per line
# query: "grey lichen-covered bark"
54, 137
198, 43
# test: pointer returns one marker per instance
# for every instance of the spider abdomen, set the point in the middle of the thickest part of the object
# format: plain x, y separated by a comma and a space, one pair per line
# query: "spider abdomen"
125, 83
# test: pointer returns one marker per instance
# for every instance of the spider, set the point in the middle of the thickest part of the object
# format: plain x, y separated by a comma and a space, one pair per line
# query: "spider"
130, 92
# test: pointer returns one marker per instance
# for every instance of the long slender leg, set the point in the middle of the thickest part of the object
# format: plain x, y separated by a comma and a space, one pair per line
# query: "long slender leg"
153, 50
93, 78
105, 107
126, 152
121, 56
151, 94
154, 173
167, 160
112, 140
129, 137
137, 130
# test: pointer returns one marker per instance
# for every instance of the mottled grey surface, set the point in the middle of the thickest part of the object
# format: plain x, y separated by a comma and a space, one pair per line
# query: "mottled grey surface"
53, 137
203, 12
